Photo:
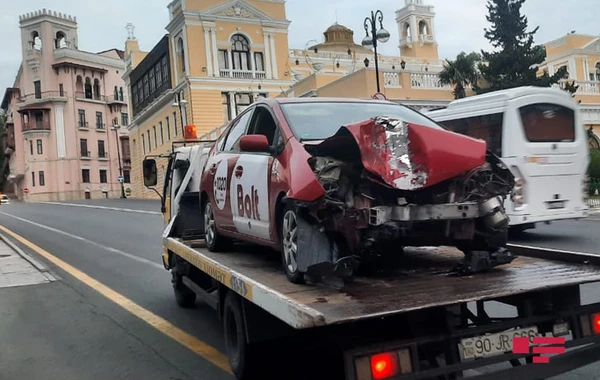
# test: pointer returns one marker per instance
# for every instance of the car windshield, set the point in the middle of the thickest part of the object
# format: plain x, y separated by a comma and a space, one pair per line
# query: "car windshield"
320, 120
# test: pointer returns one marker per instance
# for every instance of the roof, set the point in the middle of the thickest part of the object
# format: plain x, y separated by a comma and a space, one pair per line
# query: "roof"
511, 93
7, 96
119, 52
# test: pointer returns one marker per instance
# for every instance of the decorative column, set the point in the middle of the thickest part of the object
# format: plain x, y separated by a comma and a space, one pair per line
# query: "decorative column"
215, 52
208, 48
273, 51
267, 56
252, 63
233, 112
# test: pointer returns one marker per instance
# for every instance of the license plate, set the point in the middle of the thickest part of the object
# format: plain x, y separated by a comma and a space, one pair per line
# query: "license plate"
555, 205
493, 344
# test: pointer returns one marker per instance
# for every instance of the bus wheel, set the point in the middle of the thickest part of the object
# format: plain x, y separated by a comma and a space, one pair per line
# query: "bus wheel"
244, 359
184, 296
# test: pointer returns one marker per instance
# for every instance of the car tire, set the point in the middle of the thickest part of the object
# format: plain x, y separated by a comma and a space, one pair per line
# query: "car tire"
215, 242
288, 230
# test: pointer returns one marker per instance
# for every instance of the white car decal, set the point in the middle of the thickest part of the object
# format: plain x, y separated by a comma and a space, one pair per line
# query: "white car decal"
220, 185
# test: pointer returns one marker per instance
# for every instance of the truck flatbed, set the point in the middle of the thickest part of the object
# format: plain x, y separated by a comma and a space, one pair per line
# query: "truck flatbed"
426, 281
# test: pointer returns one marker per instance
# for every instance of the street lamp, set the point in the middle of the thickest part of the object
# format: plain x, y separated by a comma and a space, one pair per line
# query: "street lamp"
178, 104
375, 36
116, 128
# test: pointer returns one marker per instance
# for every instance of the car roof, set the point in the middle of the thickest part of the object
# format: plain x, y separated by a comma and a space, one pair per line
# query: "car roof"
273, 101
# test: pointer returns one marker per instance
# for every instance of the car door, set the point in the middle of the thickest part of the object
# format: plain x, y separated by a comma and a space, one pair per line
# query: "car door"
220, 167
250, 183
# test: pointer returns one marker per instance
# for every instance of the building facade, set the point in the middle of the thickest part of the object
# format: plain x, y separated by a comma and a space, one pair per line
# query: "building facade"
217, 58
62, 112
580, 54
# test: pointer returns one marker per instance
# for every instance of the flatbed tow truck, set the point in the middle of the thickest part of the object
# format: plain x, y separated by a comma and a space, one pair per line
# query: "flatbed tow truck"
417, 321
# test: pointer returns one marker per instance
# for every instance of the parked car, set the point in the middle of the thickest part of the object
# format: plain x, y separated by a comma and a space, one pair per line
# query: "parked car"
4, 199
337, 183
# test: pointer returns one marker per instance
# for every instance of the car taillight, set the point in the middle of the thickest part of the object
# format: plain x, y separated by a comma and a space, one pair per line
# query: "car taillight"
384, 365
590, 324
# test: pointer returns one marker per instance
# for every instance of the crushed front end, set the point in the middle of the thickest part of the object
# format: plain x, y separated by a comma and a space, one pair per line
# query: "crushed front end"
389, 184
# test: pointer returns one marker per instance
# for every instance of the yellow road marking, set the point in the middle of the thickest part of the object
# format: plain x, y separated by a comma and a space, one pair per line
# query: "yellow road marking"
194, 344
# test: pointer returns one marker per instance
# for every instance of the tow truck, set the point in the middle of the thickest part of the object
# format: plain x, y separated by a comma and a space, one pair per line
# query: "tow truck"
417, 320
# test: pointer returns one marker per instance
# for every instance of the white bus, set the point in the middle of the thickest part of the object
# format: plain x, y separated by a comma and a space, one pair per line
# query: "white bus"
539, 135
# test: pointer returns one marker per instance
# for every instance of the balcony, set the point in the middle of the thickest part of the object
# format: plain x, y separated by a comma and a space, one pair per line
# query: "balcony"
42, 97
426, 39
86, 96
83, 125
85, 155
113, 99
586, 87
241, 74
100, 127
102, 156
36, 126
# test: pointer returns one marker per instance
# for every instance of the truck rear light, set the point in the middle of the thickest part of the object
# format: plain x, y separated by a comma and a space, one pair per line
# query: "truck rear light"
590, 324
384, 365
596, 323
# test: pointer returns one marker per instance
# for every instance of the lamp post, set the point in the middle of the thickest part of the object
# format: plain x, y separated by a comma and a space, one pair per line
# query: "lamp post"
178, 104
116, 128
375, 36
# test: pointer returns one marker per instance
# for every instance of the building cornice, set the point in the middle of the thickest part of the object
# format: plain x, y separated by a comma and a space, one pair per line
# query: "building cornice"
89, 57
239, 82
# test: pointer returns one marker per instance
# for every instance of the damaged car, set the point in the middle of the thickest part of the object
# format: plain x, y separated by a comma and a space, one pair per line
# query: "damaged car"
338, 184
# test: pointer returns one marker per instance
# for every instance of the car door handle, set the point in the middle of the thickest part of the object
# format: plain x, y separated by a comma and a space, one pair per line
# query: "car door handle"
213, 169
238, 171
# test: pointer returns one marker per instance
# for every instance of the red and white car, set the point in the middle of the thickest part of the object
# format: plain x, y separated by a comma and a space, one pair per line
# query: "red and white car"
332, 183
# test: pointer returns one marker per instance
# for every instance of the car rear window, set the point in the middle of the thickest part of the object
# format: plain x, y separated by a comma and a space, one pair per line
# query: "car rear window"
545, 122
320, 120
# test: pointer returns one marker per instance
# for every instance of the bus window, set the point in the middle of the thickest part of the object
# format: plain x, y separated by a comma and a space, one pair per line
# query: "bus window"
484, 127
544, 122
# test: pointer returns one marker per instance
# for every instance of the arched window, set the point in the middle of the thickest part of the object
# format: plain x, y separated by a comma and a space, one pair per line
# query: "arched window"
79, 84
181, 55
88, 88
60, 41
97, 89
406, 30
121, 93
423, 28
240, 52
116, 93
36, 41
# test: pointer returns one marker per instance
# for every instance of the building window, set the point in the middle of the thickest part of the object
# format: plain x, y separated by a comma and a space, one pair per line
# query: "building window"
82, 122
121, 93
39, 146
36, 41
126, 176
149, 145
181, 55
97, 89
152, 82
99, 121
32, 179
162, 136
143, 144
225, 107
42, 179
146, 92
103, 177
175, 123
84, 148
37, 85
259, 61
124, 119
101, 149
158, 74
61, 89
88, 88
85, 175
223, 59
31, 147
168, 129
155, 139
240, 52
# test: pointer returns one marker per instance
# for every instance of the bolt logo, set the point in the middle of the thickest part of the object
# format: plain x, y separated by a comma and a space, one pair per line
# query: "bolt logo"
521, 346
247, 203
220, 185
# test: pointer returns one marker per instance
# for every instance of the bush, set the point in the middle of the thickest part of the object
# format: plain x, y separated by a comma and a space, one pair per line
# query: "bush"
594, 171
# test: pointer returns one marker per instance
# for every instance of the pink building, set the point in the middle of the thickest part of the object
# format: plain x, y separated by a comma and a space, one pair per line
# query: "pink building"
67, 114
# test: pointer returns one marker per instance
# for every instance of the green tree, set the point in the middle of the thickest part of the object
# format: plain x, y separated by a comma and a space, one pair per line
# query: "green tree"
460, 73
515, 62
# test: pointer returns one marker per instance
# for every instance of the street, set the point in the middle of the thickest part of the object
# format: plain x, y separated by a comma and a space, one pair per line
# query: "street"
110, 312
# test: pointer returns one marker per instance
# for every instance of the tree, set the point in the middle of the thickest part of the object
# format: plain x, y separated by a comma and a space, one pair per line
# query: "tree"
460, 73
516, 61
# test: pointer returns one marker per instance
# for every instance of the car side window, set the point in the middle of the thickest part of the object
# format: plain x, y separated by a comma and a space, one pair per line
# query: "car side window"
236, 132
264, 124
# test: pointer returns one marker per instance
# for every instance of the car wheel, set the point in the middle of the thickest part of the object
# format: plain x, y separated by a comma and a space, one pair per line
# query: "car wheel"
214, 241
289, 251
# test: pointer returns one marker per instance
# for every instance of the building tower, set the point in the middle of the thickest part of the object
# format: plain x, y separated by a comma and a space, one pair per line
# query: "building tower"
416, 30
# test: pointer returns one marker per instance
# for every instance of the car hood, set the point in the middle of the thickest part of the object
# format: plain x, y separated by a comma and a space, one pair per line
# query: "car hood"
403, 155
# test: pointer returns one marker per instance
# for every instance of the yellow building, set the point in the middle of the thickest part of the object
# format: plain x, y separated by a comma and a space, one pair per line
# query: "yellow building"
339, 67
580, 54
216, 59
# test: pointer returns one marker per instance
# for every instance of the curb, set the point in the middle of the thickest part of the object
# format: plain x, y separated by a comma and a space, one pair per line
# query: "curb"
24, 255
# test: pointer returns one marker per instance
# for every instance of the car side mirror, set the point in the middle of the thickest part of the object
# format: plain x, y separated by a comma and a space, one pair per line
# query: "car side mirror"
150, 172
255, 143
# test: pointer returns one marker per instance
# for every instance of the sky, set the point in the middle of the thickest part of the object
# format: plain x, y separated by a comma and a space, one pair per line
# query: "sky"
459, 24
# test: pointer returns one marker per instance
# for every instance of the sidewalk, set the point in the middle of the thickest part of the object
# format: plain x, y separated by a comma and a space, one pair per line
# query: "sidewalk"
18, 269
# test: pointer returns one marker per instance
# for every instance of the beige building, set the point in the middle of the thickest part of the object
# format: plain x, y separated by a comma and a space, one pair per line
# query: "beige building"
216, 59
580, 54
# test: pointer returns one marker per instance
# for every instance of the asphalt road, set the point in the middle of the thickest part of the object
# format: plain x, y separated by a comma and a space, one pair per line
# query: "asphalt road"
67, 330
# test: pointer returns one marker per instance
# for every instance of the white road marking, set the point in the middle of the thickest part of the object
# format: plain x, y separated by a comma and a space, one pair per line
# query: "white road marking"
103, 208
109, 249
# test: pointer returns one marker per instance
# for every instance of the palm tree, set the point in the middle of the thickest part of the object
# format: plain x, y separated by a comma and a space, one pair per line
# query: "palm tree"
460, 73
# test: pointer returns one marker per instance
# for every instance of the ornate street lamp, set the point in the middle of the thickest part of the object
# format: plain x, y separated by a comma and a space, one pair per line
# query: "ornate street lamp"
375, 36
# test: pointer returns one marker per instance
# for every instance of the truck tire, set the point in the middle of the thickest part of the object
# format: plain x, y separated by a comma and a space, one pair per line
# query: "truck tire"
288, 237
244, 359
215, 242
184, 296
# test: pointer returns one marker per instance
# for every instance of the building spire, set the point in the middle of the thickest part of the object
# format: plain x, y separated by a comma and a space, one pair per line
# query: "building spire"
130, 28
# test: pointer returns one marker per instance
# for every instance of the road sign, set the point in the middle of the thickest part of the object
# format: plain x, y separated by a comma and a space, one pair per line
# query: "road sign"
379, 96
121, 179
26, 190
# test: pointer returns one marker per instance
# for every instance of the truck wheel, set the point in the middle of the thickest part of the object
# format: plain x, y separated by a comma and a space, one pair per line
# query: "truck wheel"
214, 241
184, 296
244, 359
289, 240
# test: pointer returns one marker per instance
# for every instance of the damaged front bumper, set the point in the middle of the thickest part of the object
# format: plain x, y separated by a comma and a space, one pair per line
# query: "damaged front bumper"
491, 209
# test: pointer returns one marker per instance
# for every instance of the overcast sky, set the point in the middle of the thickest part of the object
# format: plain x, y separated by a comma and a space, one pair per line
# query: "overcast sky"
459, 24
